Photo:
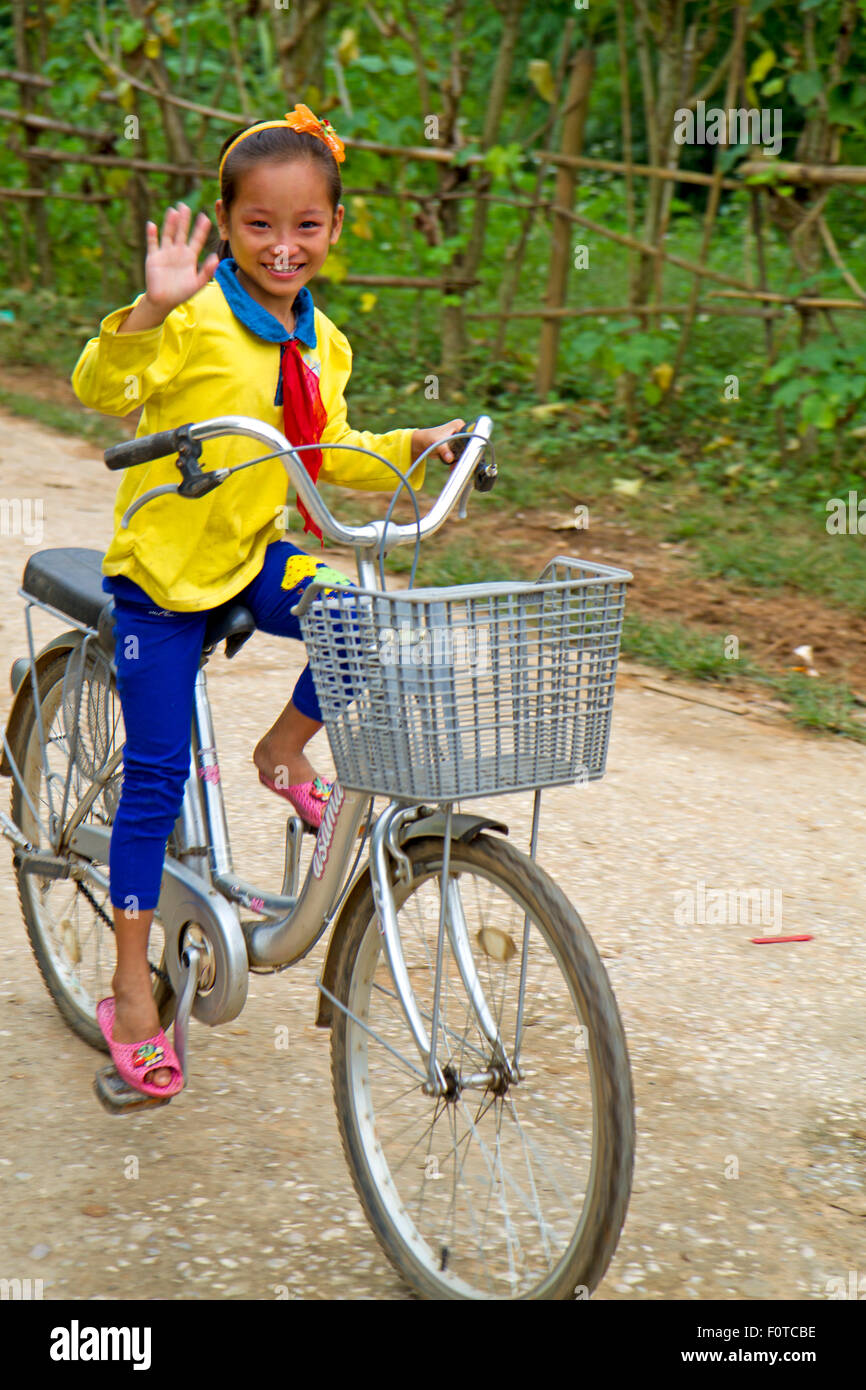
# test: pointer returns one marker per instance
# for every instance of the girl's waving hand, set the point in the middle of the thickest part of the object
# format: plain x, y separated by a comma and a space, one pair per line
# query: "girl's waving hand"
171, 269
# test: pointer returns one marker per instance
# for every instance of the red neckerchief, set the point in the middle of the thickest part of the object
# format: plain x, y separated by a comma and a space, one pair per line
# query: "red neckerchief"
304, 416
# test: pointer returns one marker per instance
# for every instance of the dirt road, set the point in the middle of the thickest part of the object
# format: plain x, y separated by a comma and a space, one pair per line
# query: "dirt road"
748, 1060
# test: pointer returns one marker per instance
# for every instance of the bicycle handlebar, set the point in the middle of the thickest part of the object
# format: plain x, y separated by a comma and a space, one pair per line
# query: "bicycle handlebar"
146, 448
373, 533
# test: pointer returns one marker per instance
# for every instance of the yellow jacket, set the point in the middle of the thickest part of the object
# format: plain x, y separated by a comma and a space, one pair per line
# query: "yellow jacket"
191, 554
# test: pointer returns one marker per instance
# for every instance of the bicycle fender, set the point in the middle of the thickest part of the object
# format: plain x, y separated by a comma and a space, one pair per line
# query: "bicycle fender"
463, 827
65, 641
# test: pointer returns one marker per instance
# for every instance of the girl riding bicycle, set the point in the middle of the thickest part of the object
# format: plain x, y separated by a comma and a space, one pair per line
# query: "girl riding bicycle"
241, 335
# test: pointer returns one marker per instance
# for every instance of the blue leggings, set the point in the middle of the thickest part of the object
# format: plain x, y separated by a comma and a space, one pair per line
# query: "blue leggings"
157, 655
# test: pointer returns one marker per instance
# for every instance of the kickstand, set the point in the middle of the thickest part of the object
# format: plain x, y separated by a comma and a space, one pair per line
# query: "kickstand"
112, 1091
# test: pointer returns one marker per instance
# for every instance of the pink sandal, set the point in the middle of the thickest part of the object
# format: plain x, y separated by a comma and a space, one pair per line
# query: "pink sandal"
308, 798
134, 1060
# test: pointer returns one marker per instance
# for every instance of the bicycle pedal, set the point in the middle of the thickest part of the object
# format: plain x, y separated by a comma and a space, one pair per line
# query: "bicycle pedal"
118, 1098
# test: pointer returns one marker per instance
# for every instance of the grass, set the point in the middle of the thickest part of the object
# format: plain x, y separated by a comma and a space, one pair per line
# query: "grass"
709, 474
97, 429
821, 706
454, 562
803, 558
678, 648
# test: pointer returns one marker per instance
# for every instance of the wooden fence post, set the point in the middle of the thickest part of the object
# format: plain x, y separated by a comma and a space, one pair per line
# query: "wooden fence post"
576, 103
37, 215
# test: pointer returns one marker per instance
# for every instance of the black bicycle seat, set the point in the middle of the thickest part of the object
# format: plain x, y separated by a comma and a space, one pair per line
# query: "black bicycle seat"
70, 580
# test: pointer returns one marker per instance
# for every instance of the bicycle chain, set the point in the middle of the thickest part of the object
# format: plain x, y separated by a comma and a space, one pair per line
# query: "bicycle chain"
154, 969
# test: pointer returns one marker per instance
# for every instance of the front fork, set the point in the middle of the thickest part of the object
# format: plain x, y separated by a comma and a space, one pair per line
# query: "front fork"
452, 922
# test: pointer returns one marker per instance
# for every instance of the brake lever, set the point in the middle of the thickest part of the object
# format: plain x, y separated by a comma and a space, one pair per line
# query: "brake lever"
463, 506
146, 497
214, 479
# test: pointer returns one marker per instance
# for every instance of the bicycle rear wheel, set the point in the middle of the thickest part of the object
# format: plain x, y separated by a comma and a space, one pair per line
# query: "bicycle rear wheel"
503, 1191
70, 922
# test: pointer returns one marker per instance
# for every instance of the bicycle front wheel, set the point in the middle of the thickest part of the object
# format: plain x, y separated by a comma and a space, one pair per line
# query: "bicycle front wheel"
495, 1190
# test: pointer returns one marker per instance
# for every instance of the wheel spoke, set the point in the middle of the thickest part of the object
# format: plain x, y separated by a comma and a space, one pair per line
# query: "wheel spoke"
68, 932
506, 1217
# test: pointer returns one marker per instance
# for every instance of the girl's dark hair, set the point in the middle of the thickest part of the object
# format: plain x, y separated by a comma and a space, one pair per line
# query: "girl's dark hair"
277, 143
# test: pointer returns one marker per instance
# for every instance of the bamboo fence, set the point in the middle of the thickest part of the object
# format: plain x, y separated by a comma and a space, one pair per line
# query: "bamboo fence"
563, 165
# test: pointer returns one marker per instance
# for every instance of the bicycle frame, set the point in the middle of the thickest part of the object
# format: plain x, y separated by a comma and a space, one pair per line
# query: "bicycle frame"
200, 889
291, 922
287, 938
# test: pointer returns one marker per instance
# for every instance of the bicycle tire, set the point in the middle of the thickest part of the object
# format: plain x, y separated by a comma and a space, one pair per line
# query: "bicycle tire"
79, 1018
586, 1259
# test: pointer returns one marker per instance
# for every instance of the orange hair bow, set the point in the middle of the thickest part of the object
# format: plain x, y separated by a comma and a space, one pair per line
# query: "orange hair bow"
302, 118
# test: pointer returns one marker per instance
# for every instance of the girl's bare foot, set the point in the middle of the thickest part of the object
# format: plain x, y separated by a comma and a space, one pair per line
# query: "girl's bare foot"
136, 1018
287, 769
279, 754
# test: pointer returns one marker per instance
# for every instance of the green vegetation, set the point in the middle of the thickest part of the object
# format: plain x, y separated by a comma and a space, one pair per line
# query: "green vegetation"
71, 419
732, 461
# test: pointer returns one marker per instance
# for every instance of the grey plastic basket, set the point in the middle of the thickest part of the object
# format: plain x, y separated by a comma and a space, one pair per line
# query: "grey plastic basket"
439, 694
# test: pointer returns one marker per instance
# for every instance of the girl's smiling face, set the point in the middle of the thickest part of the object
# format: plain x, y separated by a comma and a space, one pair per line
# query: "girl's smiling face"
281, 227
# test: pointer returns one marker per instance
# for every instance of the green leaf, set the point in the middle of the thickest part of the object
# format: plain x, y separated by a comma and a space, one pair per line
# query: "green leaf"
499, 159
608, 362
839, 113
588, 344
805, 86
791, 391
783, 367
730, 155
770, 89
165, 24
371, 62
266, 45
116, 180
125, 95
131, 35
541, 76
652, 393
816, 410
462, 156
402, 67
761, 66
820, 355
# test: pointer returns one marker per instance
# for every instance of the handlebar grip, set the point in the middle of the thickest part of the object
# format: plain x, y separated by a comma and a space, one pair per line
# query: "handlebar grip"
146, 448
459, 446
485, 473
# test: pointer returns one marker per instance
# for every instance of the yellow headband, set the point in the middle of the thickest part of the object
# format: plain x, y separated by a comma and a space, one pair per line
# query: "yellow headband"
302, 118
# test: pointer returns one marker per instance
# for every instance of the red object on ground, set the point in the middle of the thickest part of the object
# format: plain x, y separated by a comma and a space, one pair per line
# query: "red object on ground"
769, 940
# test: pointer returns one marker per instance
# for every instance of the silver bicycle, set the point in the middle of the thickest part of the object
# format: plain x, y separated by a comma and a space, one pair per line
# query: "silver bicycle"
479, 1066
